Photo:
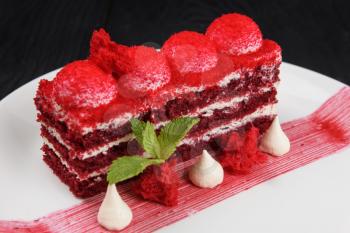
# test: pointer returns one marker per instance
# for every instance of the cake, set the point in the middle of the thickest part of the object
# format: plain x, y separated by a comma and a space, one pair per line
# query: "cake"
226, 77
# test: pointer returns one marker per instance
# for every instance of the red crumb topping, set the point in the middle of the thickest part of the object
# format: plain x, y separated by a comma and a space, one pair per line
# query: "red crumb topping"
158, 183
139, 69
108, 55
241, 153
190, 52
82, 84
235, 34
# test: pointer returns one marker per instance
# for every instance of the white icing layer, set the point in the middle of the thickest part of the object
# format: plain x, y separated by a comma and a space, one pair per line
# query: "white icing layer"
72, 170
93, 152
114, 214
267, 110
114, 123
228, 78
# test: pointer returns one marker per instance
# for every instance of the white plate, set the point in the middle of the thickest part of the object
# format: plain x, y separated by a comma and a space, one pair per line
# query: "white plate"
314, 198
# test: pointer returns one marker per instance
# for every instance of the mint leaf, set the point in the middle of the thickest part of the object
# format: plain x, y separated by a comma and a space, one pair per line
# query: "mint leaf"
150, 141
172, 134
127, 167
138, 127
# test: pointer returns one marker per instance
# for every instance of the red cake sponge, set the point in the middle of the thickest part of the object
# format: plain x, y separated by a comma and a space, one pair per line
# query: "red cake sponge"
149, 71
190, 52
235, 34
83, 84
240, 153
108, 55
159, 184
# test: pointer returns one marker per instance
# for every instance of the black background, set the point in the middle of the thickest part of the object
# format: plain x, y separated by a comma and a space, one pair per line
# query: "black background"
39, 36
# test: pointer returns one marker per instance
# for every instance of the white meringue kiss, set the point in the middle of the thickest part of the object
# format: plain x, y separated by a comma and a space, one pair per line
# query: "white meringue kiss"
114, 213
207, 172
275, 141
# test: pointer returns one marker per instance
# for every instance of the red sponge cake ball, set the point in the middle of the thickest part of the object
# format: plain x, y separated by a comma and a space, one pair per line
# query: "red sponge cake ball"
149, 72
190, 52
83, 84
235, 34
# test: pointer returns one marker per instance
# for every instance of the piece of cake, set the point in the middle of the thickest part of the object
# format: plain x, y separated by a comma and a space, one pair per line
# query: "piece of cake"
226, 77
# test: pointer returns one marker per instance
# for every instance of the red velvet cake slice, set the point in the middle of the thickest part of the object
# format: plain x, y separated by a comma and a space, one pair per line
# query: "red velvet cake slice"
226, 77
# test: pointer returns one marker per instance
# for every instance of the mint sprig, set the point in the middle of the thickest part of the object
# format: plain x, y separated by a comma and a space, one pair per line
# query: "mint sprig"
137, 128
160, 148
150, 141
127, 167
172, 134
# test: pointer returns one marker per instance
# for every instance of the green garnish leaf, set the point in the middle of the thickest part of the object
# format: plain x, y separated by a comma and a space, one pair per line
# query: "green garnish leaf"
150, 141
138, 127
172, 134
161, 147
127, 167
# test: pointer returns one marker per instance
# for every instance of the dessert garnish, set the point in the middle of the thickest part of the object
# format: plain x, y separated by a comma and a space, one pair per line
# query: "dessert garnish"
235, 34
241, 153
274, 141
206, 172
159, 148
114, 213
72, 87
190, 52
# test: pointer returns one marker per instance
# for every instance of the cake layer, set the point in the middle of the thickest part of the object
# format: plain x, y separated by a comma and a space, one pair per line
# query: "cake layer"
254, 82
97, 184
210, 116
92, 166
81, 189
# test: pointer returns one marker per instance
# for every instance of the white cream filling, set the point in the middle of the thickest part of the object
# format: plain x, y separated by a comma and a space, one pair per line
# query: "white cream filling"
222, 129
205, 111
70, 169
114, 123
56, 135
93, 152
228, 78
106, 147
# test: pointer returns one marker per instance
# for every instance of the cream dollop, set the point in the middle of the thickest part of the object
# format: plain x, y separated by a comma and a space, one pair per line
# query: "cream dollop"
207, 172
275, 141
114, 213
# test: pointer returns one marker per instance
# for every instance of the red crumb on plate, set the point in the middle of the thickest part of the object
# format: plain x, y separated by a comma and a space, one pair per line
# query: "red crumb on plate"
333, 129
159, 184
241, 153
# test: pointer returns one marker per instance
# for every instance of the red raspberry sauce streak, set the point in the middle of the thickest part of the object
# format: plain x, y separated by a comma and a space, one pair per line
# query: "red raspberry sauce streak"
149, 216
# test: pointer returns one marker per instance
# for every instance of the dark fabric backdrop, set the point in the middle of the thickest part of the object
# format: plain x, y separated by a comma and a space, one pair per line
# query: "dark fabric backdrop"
39, 36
